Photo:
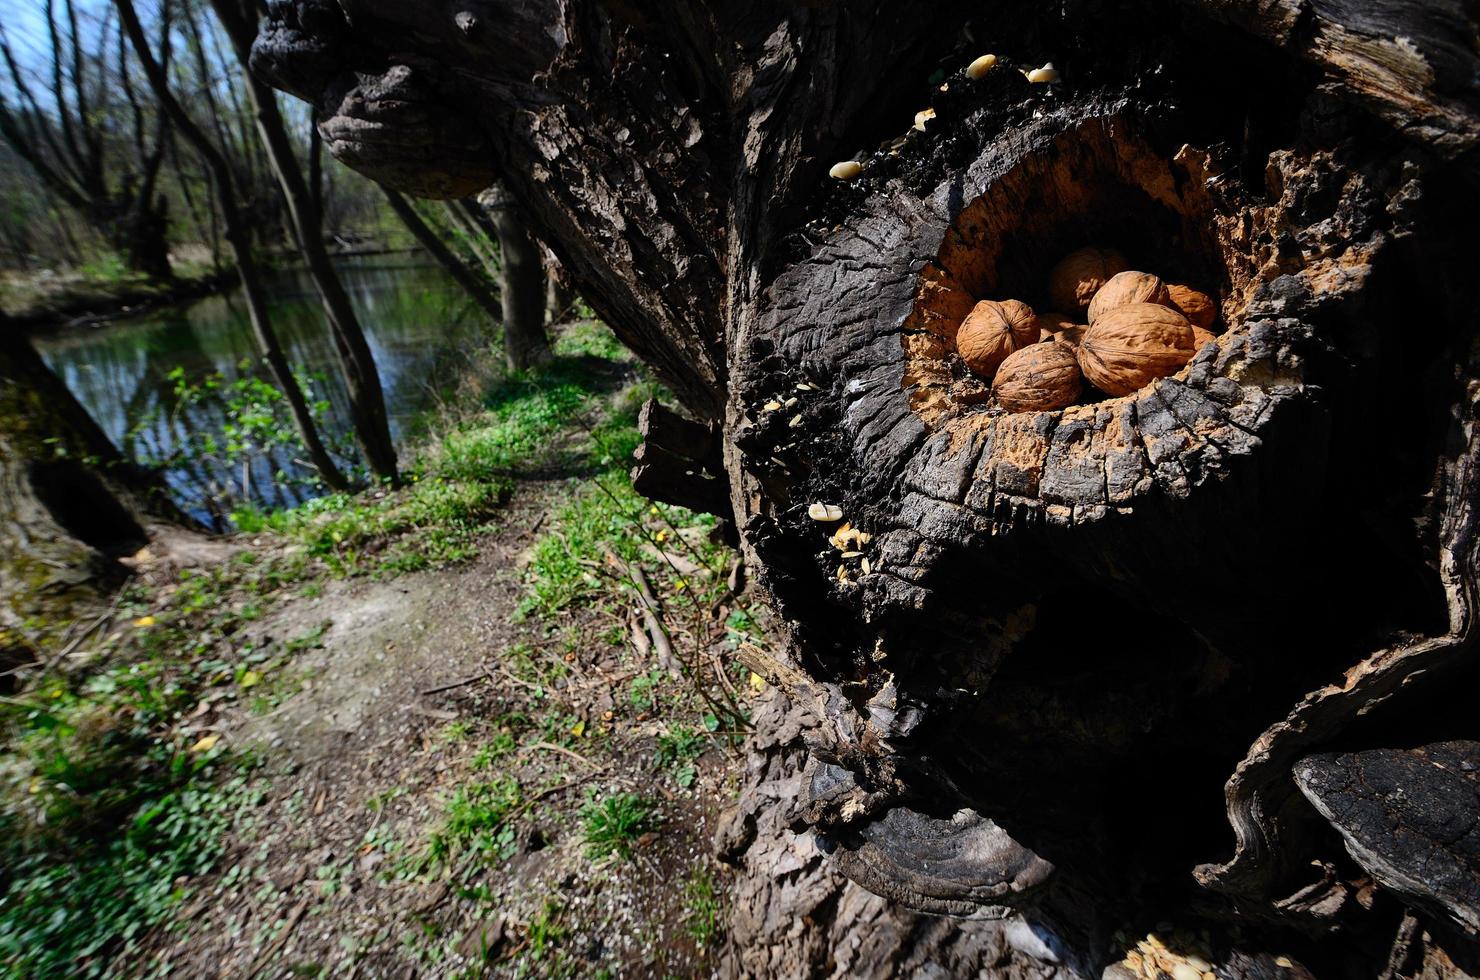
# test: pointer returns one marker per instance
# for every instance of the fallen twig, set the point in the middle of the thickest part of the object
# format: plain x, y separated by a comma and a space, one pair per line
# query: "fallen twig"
453, 684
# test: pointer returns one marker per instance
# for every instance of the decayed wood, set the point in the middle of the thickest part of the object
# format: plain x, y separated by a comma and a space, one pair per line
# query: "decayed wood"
679, 461
1065, 625
1410, 818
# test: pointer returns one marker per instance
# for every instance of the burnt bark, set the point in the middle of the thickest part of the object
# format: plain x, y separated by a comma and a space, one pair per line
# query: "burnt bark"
1074, 649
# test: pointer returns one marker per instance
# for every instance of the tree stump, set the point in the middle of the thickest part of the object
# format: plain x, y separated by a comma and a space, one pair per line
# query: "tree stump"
1065, 667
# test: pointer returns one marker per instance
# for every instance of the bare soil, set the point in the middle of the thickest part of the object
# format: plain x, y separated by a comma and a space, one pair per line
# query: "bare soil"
366, 739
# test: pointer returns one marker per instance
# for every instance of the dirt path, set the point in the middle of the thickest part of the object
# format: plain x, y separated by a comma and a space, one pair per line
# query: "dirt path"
408, 831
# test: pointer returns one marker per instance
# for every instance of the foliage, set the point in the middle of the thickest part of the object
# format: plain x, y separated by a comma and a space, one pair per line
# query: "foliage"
677, 749
615, 823
476, 818
702, 917
257, 434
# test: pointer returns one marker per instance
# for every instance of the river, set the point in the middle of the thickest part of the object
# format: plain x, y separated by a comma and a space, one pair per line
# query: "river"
417, 322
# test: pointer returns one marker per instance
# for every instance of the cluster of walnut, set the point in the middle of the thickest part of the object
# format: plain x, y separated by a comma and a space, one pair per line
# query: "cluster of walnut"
1139, 329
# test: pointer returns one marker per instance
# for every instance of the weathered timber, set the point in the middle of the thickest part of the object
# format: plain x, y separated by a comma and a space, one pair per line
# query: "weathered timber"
679, 461
1075, 647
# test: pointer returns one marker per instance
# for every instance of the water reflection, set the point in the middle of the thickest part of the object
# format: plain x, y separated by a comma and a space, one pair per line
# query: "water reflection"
415, 319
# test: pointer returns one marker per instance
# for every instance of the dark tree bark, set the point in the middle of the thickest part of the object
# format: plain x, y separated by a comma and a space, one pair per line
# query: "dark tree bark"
521, 283
238, 238
1076, 647
356, 362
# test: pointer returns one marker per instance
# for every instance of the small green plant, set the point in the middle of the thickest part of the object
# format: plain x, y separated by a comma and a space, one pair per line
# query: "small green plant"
500, 745
643, 690
614, 824
701, 916
544, 931
677, 749
475, 818
456, 731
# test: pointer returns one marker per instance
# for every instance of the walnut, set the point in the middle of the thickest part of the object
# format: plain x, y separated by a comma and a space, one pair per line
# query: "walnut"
1131, 346
1201, 337
992, 331
1038, 378
1076, 279
1128, 287
1197, 307
1056, 326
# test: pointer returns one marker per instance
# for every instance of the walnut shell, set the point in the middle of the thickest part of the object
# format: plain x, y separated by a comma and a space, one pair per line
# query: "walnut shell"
1201, 337
1038, 378
1128, 287
1080, 274
1056, 326
1131, 346
992, 331
1197, 307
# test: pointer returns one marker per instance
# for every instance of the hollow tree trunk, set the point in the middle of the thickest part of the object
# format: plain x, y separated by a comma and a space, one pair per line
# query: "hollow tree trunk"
1076, 647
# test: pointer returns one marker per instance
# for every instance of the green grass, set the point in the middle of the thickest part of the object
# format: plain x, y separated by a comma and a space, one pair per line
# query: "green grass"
704, 907
476, 818
614, 824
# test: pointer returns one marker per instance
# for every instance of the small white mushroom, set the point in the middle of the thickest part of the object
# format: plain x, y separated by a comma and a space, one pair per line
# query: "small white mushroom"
1047, 74
826, 513
846, 170
981, 66
922, 117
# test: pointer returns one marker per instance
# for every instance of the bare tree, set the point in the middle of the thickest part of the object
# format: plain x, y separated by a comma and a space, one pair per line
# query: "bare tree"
238, 239
356, 362
525, 344
94, 144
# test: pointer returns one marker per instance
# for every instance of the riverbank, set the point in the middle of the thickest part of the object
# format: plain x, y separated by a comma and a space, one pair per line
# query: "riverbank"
430, 732
50, 299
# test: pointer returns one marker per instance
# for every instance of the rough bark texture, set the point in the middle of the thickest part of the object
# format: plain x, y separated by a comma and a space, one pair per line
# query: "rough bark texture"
70, 504
1076, 648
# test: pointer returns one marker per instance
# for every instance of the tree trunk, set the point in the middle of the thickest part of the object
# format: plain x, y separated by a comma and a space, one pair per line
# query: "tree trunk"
1075, 648
521, 282
70, 504
560, 292
356, 362
238, 238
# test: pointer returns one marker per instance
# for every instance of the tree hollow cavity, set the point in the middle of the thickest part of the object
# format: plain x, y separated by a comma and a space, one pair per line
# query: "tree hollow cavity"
1095, 185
